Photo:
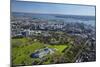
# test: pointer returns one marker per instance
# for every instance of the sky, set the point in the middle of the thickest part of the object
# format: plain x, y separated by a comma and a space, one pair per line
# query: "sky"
51, 8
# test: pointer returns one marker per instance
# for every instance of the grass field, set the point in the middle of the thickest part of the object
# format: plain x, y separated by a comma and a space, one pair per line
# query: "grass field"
23, 47
59, 48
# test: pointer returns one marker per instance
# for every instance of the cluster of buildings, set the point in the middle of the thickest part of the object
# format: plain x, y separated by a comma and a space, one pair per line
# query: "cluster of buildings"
32, 27
42, 52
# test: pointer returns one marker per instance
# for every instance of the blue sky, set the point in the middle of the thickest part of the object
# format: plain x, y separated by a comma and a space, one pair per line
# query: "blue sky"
48, 8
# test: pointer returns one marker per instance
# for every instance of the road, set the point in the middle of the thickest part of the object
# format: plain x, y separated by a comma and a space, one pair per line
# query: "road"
80, 51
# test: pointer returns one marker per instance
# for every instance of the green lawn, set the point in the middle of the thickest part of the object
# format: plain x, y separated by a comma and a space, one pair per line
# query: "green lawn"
21, 52
22, 48
59, 48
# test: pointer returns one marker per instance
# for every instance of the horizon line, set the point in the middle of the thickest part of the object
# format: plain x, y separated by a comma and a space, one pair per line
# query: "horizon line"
52, 13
